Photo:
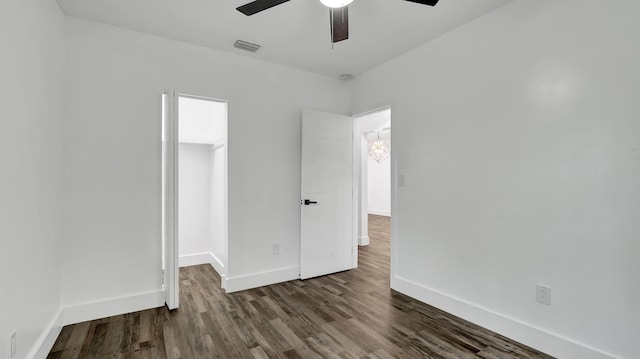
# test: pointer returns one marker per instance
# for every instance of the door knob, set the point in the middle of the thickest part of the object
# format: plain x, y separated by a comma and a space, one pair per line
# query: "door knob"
308, 202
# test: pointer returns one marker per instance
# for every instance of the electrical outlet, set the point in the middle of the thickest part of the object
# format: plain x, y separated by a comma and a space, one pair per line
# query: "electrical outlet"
276, 249
543, 294
14, 344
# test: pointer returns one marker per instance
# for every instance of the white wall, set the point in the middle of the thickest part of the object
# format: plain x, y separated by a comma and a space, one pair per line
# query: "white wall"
112, 157
195, 161
31, 66
377, 120
200, 120
518, 136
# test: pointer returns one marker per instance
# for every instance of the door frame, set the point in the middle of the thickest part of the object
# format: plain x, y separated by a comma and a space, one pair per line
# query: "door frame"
361, 236
169, 199
169, 172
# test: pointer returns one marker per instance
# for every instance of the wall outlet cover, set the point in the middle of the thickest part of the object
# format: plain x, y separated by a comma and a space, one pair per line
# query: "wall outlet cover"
543, 294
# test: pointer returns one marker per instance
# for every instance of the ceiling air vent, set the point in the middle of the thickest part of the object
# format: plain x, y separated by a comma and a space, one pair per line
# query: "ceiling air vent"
244, 45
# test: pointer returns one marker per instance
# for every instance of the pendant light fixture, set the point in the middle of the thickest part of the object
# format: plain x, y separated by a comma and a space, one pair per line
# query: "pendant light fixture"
378, 149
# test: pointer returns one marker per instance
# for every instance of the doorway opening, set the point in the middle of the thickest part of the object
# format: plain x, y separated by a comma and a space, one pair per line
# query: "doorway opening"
194, 187
373, 142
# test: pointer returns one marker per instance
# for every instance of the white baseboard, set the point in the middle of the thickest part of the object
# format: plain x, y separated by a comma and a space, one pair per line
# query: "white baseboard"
217, 264
235, 284
363, 240
223, 285
194, 259
47, 339
546, 341
110, 307
379, 212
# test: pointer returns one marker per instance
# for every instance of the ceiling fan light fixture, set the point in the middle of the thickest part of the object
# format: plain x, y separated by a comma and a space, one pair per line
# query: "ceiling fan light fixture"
336, 3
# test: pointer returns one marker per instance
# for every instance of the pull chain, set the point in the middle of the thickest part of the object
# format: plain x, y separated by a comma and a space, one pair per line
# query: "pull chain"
331, 19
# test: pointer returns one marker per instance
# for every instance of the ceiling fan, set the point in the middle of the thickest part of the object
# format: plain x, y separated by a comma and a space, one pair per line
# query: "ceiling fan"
338, 13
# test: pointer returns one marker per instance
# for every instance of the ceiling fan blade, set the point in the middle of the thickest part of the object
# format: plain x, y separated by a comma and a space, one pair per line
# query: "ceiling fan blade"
425, 2
258, 5
339, 18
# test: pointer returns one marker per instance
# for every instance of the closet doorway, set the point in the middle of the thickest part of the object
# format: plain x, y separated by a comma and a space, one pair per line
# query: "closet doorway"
194, 187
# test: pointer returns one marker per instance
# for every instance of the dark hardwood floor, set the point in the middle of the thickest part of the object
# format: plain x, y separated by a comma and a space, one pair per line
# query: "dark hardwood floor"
351, 314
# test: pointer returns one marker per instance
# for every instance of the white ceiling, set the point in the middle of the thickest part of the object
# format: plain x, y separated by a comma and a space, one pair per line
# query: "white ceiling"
295, 33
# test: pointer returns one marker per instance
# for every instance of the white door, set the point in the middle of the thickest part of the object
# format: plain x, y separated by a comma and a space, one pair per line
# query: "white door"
327, 237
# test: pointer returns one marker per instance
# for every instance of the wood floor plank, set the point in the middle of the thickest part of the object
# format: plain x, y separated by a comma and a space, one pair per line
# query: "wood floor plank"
346, 315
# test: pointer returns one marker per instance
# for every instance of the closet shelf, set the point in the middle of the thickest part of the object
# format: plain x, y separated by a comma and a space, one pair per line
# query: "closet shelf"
200, 141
